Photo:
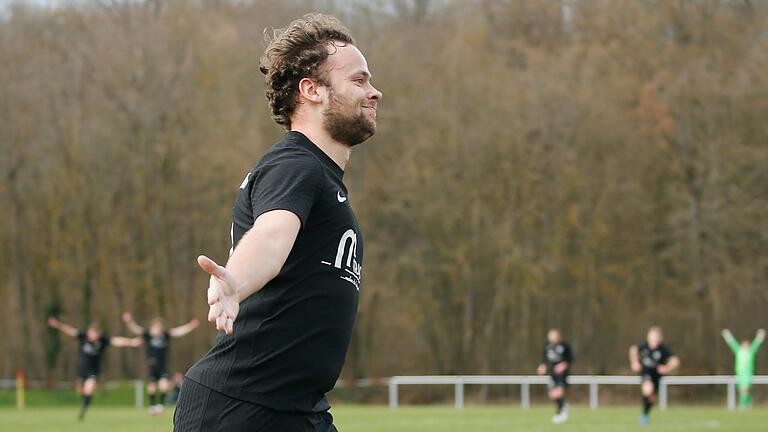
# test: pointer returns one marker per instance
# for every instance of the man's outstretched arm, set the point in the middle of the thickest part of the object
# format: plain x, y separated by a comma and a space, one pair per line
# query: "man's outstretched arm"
123, 342
132, 325
759, 338
62, 327
184, 329
256, 260
733, 344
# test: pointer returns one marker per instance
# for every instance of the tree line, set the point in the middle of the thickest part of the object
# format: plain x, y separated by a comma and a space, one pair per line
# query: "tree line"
596, 166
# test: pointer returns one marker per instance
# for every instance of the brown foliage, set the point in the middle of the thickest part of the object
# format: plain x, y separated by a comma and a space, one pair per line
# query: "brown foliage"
600, 171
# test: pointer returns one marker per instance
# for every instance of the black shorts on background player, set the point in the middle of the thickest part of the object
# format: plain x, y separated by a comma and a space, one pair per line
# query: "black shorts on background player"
291, 337
89, 358
554, 354
157, 355
650, 359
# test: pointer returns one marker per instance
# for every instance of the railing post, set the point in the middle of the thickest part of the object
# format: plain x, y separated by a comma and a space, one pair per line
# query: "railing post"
138, 397
525, 394
392, 393
459, 393
593, 395
663, 395
731, 394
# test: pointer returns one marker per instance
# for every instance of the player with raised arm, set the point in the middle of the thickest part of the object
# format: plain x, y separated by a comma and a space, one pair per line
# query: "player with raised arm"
157, 340
652, 360
556, 362
286, 301
92, 345
745, 354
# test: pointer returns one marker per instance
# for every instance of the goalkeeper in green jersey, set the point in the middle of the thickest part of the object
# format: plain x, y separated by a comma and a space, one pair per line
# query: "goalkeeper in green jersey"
745, 363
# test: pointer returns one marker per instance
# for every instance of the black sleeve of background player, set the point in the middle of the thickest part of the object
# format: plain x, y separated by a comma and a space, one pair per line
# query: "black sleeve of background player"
568, 354
544, 358
665, 354
288, 184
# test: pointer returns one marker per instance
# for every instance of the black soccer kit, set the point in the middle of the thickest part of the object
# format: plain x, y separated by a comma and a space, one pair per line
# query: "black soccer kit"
555, 354
157, 355
89, 360
290, 338
650, 359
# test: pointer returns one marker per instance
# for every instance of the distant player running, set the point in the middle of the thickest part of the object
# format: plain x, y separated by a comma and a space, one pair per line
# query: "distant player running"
745, 363
652, 360
157, 340
92, 346
557, 363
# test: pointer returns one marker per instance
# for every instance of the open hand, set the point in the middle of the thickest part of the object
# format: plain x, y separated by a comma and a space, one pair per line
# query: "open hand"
223, 297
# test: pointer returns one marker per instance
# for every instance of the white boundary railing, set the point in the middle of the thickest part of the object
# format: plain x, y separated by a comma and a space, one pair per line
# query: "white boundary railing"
593, 381
459, 381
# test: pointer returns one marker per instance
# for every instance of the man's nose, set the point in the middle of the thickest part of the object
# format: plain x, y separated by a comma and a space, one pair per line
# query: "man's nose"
376, 94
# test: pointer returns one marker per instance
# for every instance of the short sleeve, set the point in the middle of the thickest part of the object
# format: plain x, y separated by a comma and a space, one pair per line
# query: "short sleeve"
665, 354
291, 182
568, 354
81, 336
105, 340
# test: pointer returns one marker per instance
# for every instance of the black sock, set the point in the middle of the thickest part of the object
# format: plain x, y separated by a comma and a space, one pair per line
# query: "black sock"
560, 402
647, 404
162, 398
86, 402
152, 399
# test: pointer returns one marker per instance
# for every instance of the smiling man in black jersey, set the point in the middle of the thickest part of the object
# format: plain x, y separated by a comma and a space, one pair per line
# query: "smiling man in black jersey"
286, 301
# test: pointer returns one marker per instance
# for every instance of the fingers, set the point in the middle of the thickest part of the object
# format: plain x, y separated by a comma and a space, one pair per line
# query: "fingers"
210, 267
214, 294
214, 312
222, 320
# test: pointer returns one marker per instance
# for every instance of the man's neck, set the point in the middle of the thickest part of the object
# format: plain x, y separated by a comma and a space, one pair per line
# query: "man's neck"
337, 151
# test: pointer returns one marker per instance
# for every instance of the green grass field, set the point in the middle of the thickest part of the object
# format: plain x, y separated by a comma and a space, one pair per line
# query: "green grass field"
358, 418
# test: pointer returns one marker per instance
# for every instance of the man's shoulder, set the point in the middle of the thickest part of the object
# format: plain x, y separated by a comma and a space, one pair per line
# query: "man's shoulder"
284, 154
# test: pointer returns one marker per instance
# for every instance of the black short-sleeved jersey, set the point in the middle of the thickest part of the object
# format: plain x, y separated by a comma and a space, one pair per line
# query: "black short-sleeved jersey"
651, 358
291, 337
157, 348
555, 354
90, 352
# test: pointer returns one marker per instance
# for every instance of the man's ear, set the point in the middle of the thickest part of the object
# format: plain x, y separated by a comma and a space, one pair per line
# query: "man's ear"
308, 89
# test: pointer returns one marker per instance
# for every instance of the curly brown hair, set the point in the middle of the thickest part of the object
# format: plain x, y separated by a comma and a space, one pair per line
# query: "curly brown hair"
294, 53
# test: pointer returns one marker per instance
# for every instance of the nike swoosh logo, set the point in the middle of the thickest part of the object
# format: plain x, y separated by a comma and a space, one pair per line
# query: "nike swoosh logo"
340, 198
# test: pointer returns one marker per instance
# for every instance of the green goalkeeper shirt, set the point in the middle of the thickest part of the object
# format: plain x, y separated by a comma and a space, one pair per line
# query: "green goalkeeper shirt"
745, 357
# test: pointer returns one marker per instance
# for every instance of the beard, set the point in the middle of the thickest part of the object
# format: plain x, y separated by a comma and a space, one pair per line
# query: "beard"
349, 129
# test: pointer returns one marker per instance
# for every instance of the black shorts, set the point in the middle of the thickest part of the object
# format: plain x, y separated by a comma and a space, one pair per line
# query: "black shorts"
558, 380
655, 378
84, 374
157, 372
200, 409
